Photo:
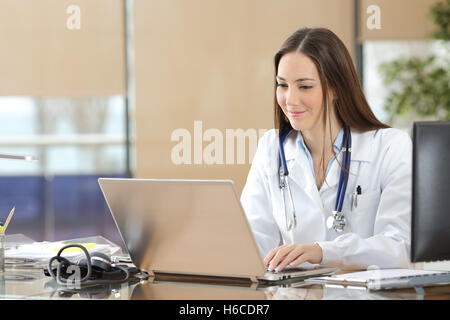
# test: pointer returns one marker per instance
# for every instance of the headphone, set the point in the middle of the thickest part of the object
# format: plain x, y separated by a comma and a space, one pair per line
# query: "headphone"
91, 270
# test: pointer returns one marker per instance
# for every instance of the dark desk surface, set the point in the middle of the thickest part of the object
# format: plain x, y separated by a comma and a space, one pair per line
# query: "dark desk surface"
33, 284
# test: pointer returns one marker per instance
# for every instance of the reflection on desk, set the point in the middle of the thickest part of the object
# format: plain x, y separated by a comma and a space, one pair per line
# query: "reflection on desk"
191, 291
33, 284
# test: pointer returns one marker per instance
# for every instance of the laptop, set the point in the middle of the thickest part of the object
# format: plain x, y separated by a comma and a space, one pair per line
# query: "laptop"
190, 227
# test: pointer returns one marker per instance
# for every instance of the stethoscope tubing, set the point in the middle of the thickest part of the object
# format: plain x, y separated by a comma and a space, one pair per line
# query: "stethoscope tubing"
343, 177
282, 156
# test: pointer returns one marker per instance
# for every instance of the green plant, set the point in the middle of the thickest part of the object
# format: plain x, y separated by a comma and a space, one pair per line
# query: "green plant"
421, 84
440, 14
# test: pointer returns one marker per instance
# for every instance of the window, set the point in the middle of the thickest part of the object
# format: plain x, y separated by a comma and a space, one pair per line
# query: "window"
377, 52
76, 141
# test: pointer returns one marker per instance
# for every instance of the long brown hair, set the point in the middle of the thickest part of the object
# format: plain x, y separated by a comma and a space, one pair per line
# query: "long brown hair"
336, 72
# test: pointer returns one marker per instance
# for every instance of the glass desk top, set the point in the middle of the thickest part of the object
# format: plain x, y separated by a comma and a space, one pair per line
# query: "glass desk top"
30, 282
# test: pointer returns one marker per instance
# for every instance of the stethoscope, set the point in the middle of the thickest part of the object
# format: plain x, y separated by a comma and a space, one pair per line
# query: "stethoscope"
337, 220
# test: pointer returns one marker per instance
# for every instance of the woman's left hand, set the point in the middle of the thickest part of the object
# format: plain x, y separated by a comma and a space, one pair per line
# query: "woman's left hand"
293, 255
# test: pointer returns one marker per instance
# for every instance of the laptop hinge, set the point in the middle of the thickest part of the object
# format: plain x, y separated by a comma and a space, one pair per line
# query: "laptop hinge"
151, 276
254, 282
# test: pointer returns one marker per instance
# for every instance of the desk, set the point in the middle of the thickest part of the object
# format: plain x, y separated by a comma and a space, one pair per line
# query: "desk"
16, 283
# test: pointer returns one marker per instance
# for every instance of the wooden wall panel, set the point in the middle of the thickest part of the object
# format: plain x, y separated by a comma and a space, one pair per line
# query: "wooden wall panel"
41, 56
211, 61
400, 20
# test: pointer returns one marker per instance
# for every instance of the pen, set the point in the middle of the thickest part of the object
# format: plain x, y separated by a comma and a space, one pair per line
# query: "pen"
3, 230
358, 193
1, 227
17, 157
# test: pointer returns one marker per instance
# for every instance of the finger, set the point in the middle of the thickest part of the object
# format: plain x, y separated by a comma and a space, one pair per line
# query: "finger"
292, 256
270, 256
279, 256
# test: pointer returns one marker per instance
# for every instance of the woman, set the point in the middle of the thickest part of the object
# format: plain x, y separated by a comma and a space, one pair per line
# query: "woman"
319, 109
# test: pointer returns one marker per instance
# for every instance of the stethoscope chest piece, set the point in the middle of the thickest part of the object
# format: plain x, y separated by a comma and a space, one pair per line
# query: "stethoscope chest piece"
336, 221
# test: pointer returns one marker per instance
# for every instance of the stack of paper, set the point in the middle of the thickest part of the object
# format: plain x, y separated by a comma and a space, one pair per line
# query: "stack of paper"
41, 252
380, 278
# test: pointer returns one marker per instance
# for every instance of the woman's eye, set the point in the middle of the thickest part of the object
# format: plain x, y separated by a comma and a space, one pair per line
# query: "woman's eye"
300, 87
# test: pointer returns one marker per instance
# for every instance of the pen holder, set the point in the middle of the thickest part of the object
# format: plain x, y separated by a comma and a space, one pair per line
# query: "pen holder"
2, 253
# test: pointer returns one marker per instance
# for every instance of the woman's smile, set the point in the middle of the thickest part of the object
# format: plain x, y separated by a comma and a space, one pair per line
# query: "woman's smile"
296, 113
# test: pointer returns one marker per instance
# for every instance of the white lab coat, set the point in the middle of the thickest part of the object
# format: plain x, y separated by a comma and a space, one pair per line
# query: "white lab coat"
377, 233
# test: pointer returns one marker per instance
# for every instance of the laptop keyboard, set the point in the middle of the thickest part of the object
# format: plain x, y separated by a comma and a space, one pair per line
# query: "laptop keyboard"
289, 270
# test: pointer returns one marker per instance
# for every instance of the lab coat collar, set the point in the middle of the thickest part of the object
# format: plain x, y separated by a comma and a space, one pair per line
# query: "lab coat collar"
362, 143
291, 146
300, 172
299, 168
